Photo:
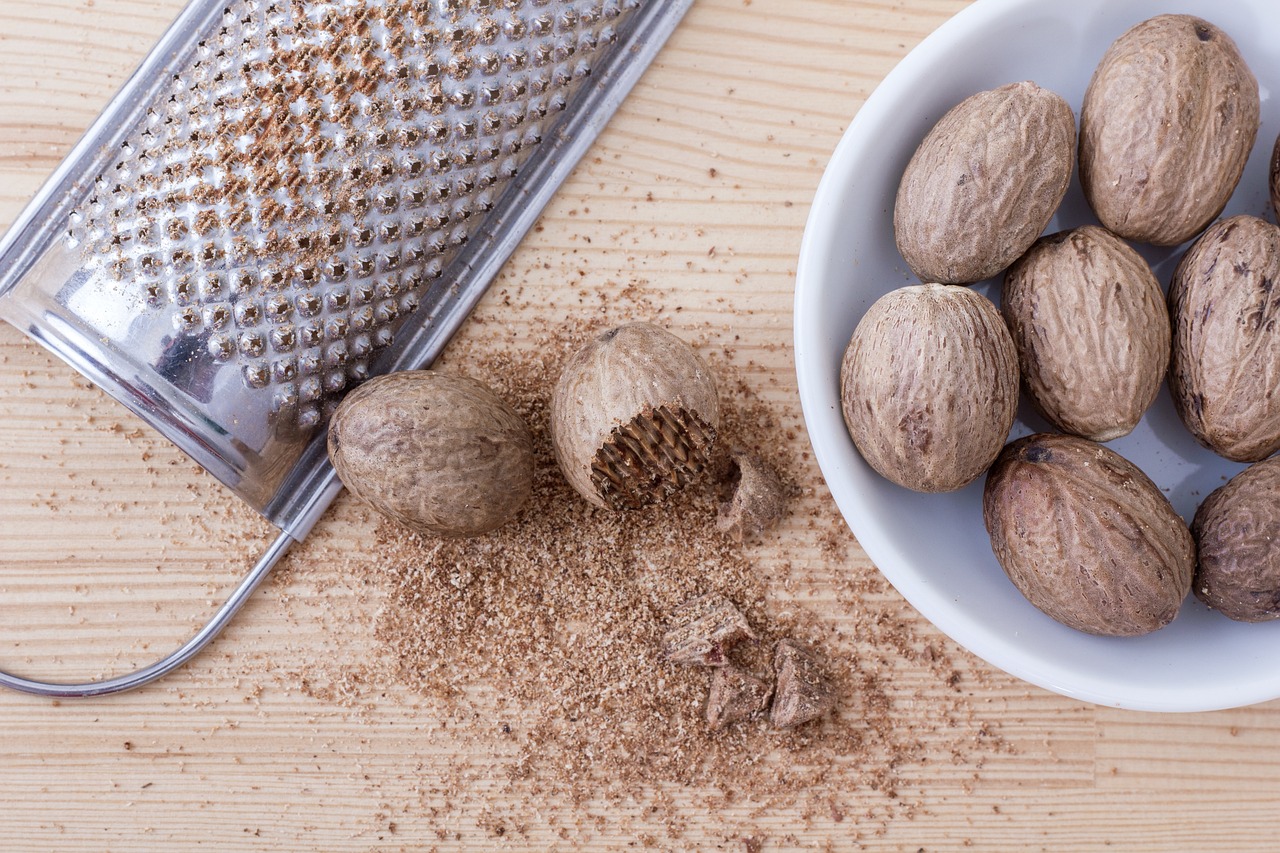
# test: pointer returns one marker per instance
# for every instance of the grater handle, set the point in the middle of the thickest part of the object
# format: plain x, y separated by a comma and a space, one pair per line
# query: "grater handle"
174, 659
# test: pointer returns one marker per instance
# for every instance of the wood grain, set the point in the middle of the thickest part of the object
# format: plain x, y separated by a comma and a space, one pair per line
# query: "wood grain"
115, 546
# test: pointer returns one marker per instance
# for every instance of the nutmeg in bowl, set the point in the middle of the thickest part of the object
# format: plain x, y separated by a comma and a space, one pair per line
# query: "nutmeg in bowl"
934, 548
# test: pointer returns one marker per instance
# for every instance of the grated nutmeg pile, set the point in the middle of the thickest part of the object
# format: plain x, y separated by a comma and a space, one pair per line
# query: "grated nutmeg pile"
538, 647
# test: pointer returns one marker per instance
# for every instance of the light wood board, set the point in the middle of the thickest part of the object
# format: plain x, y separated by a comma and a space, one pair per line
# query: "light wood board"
114, 547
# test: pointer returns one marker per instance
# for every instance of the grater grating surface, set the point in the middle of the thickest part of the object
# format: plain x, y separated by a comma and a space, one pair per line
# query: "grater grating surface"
285, 184
290, 196
295, 192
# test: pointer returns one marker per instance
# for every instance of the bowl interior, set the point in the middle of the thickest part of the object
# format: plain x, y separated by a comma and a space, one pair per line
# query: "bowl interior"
934, 548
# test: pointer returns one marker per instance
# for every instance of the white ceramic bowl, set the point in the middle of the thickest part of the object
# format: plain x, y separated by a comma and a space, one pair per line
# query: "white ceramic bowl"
934, 548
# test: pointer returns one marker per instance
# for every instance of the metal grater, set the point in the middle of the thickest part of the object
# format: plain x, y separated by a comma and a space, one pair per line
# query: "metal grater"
291, 196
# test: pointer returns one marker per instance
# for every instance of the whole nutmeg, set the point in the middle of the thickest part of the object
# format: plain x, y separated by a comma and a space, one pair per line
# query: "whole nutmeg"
984, 183
1237, 531
438, 453
929, 386
1092, 330
1226, 344
1086, 536
1168, 121
633, 416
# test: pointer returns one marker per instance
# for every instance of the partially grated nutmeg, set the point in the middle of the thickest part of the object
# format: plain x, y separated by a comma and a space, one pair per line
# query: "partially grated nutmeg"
660, 451
633, 416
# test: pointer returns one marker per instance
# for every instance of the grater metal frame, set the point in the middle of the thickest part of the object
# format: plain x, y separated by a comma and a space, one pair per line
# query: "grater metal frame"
311, 484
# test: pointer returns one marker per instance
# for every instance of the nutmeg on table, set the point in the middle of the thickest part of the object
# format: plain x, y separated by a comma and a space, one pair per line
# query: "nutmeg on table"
634, 418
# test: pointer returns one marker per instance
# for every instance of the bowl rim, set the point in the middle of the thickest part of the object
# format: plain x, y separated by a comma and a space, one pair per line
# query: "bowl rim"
820, 404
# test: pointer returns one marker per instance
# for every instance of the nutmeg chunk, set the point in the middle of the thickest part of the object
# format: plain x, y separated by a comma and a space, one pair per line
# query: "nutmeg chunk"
801, 692
1167, 123
757, 498
1237, 531
633, 416
735, 694
1226, 344
703, 629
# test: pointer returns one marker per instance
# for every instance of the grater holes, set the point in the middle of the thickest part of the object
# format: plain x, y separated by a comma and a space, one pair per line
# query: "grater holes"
309, 365
257, 374
336, 328
188, 320
285, 370
248, 314
362, 319
308, 304
284, 338
335, 380
309, 390
217, 316
221, 347
251, 344
246, 148
358, 371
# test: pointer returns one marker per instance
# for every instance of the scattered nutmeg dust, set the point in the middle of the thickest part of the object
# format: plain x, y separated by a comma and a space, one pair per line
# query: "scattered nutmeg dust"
534, 653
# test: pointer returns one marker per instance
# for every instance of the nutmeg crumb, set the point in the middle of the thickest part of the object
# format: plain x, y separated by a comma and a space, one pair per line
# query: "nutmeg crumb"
735, 695
801, 693
703, 630
756, 498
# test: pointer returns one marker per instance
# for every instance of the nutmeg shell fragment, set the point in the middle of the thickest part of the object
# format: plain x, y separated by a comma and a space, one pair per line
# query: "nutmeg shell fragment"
634, 416
802, 692
703, 629
735, 695
756, 498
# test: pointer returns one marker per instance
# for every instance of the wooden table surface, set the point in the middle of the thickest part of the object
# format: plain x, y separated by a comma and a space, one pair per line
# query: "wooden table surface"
113, 546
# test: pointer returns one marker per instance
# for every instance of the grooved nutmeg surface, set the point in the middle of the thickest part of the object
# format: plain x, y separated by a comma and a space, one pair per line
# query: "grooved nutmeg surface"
1092, 330
1086, 536
984, 183
929, 386
1274, 176
439, 453
633, 416
1237, 532
1168, 121
1225, 371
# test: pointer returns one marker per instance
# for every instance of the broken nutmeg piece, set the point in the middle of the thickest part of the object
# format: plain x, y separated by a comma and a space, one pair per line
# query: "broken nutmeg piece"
755, 497
801, 692
735, 695
703, 629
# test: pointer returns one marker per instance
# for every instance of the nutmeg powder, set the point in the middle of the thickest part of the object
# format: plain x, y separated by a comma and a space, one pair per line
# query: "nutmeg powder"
536, 649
